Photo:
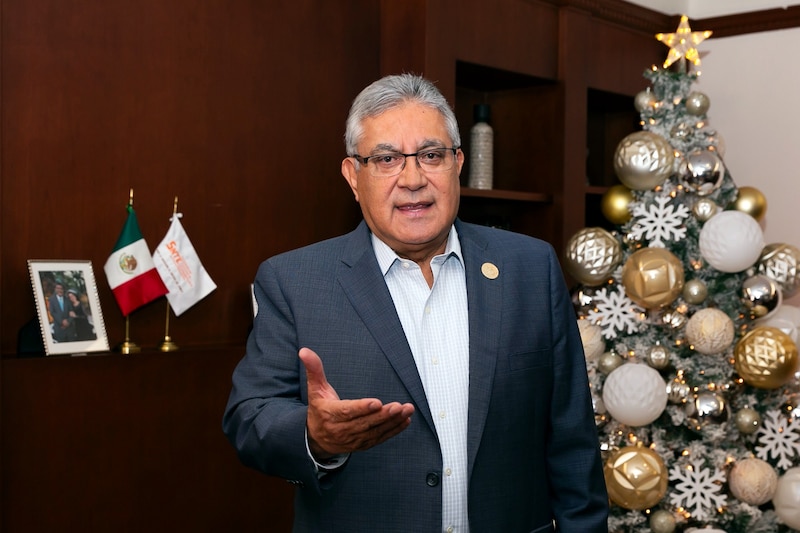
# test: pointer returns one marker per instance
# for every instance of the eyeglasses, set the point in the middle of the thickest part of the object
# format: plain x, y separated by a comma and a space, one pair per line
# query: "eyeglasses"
392, 163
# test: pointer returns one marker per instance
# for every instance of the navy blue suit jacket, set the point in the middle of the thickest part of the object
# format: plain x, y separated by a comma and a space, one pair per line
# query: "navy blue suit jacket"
532, 444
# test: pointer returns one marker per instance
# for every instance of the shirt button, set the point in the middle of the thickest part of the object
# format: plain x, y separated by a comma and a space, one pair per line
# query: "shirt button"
435, 361
448, 472
441, 414
432, 479
450, 529
406, 265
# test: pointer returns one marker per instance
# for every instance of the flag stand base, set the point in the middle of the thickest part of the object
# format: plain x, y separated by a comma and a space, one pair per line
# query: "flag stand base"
167, 345
128, 347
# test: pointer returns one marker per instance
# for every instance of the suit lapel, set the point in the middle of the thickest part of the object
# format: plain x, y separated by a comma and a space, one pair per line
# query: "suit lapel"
485, 314
363, 283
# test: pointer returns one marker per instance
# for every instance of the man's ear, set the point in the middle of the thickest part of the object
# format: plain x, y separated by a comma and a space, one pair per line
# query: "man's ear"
350, 174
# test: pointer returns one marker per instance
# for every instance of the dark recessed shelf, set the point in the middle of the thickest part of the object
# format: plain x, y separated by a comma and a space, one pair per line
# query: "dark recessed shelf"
499, 194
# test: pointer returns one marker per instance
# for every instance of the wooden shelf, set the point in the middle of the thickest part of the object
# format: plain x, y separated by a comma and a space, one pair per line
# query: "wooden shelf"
500, 194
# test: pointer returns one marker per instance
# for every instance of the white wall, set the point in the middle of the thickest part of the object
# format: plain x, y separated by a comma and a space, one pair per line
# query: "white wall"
753, 83
696, 9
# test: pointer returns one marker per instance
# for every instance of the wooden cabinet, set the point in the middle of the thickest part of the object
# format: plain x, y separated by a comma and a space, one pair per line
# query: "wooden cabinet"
560, 79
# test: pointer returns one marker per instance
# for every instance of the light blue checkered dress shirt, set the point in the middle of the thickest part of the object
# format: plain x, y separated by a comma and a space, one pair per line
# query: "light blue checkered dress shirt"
435, 322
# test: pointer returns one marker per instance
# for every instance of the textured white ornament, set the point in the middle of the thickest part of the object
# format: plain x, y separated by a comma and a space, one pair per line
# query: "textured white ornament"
635, 394
731, 241
787, 498
710, 331
592, 337
753, 481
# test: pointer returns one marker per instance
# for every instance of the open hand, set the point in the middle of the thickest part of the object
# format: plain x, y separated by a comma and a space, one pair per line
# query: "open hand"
338, 426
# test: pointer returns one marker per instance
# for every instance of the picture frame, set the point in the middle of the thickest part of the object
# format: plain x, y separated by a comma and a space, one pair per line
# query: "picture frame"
68, 306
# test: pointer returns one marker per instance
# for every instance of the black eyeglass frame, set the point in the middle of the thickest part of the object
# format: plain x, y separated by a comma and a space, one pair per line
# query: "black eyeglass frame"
365, 160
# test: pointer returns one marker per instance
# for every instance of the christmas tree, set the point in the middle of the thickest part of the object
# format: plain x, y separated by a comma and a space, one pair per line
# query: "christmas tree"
691, 351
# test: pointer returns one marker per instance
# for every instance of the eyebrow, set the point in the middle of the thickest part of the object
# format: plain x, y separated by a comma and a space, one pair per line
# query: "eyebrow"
387, 147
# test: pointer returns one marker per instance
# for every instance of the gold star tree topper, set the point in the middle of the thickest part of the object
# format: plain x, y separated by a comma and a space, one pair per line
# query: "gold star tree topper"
682, 43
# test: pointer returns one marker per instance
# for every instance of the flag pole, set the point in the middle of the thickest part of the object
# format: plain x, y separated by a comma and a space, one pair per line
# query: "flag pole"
167, 345
128, 346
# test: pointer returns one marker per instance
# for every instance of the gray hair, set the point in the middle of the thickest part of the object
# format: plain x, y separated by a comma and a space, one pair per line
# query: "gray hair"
390, 92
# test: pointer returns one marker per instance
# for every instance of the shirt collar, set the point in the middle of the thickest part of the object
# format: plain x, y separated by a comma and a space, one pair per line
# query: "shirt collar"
386, 256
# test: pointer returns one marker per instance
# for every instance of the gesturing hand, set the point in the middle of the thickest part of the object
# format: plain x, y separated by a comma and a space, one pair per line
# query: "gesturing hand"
342, 426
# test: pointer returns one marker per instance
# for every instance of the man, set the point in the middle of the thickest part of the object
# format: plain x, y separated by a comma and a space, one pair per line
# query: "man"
59, 310
419, 374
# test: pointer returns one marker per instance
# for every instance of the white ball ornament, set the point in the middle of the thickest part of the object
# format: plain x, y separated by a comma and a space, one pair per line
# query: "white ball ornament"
710, 331
787, 498
753, 481
635, 394
592, 338
786, 318
731, 241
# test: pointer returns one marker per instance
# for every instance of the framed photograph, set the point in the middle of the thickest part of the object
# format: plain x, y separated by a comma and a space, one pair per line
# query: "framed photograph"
68, 307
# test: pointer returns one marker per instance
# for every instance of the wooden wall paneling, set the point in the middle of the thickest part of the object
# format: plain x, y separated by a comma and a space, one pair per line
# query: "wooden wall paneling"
574, 48
239, 114
128, 444
225, 105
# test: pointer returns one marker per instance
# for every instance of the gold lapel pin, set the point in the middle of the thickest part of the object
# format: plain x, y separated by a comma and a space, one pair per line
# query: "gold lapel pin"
489, 270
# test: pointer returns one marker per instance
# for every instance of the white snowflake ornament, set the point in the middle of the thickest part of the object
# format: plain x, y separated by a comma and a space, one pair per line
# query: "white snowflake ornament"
779, 438
615, 312
698, 489
659, 222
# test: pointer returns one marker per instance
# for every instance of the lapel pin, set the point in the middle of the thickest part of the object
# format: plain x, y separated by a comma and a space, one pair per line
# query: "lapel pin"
489, 271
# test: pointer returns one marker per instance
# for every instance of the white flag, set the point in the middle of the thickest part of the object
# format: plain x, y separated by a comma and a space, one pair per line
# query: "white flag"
180, 269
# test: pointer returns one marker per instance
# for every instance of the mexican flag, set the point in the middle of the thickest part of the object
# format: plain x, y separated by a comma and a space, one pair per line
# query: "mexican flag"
131, 273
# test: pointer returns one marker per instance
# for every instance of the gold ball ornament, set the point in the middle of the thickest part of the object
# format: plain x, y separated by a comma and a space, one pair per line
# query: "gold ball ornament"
710, 331
615, 204
643, 160
704, 208
592, 255
694, 291
751, 201
781, 263
608, 362
652, 277
658, 357
636, 478
747, 420
662, 521
765, 358
697, 103
753, 481
644, 101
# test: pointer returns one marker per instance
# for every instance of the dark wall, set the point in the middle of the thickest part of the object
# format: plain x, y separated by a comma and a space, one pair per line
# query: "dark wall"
235, 106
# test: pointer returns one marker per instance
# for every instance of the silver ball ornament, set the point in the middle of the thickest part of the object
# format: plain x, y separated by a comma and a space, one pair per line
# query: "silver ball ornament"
706, 407
677, 391
697, 103
694, 292
747, 420
702, 171
760, 295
